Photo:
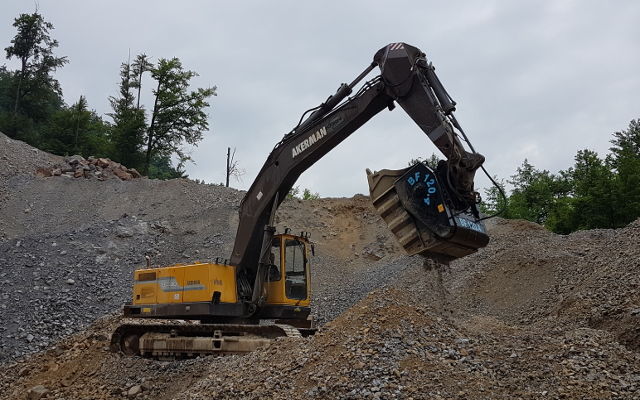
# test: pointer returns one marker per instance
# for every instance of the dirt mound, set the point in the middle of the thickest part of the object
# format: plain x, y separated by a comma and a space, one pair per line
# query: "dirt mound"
586, 279
398, 343
17, 157
81, 367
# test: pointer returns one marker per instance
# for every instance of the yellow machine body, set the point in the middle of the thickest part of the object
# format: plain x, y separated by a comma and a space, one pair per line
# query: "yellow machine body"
208, 291
184, 283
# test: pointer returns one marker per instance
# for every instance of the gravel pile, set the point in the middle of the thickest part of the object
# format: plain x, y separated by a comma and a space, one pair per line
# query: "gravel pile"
68, 246
428, 335
531, 277
16, 157
534, 315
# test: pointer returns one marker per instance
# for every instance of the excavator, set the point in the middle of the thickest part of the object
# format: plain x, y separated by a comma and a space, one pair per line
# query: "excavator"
263, 291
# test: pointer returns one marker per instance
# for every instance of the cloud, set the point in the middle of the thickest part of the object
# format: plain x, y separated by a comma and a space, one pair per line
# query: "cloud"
536, 80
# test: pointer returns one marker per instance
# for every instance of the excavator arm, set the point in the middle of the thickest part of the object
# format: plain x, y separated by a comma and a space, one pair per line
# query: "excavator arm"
406, 78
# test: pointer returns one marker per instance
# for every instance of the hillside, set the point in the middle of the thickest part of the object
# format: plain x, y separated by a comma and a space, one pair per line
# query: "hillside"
533, 315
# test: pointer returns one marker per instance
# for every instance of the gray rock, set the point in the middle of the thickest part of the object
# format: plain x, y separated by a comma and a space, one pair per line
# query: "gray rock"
37, 392
134, 391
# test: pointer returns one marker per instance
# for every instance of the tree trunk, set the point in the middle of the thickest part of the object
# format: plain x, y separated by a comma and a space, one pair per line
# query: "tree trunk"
75, 141
228, 172
150, 135
148, 157
15, 105
139, 88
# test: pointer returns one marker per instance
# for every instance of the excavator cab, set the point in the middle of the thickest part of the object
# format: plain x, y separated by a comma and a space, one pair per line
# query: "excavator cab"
288, 281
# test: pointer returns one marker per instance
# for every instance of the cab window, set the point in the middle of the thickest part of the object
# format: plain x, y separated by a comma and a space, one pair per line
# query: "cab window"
274, 260
295, 270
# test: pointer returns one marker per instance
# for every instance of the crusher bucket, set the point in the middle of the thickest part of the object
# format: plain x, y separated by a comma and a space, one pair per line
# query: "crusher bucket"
419, 212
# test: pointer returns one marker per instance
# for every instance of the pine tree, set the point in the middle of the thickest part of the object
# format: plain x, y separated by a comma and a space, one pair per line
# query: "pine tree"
76, 130
129, 126
139, 66
625, 161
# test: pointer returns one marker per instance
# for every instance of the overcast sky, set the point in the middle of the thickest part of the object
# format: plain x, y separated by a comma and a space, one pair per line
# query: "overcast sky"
533, 79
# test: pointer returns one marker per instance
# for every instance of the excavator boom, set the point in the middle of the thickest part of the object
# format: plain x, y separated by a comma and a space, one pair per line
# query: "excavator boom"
406, 78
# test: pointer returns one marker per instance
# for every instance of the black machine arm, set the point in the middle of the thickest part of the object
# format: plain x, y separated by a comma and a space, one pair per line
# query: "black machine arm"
406, 78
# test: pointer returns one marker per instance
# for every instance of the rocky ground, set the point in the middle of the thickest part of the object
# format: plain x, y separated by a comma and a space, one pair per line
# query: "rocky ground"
533, 315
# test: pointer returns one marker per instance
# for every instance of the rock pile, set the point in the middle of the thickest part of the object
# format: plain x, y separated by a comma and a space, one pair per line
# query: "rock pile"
92, 168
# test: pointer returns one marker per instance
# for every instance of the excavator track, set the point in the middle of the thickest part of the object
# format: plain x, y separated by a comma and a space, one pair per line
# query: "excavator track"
176, 341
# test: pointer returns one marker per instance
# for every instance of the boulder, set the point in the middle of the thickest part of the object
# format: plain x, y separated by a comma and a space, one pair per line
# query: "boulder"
134, 391
37, 392
122, 174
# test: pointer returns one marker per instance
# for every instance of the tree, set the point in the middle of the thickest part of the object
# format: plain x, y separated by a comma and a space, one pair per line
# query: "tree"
161, 168
494, 201
308, 195
432, 161
140, 65
129, 122
79, 112
294, 193
534, 193
233, 168
625, 162
178, 114
76, 130
33, 47
593, 192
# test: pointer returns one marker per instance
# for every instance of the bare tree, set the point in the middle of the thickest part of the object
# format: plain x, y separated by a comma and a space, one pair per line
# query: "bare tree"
233, 168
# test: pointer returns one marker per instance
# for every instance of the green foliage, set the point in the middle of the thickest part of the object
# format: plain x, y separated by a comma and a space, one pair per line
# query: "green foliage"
177, 117
129, 125
625, 162
178, 114
162, 168
307, 194
30, 95
431, 161
140, 65
493, 200
294, 193
77, 130
32, 108
593, 193
534, 193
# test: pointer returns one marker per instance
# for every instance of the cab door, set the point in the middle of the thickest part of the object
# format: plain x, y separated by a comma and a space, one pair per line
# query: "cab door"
296, 271
275, 276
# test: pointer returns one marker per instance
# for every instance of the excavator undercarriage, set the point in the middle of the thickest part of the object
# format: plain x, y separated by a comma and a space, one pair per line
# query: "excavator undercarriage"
177, 341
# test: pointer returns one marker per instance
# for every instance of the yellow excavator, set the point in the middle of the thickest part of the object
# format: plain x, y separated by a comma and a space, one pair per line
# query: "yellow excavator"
263, 291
